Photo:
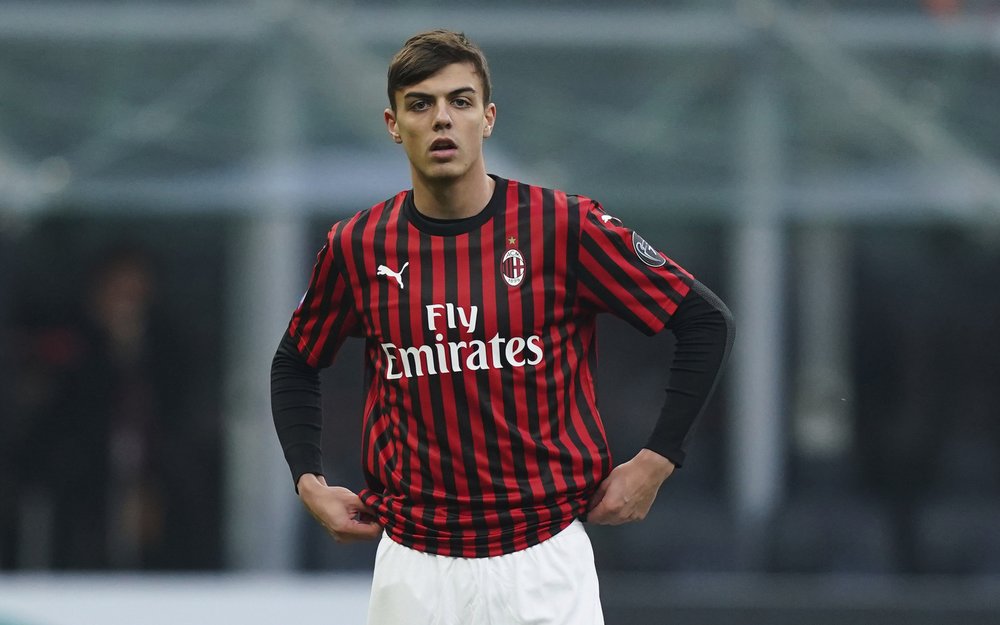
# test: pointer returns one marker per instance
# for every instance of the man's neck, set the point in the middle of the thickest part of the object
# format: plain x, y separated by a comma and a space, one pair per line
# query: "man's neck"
453, 199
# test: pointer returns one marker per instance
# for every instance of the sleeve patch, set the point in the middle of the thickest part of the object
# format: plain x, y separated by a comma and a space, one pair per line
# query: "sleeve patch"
646, 252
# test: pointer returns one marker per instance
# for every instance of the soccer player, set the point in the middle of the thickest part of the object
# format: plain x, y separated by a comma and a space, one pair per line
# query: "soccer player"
477, 296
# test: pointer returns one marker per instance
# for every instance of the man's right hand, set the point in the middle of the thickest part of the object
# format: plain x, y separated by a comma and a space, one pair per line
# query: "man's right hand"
338, 510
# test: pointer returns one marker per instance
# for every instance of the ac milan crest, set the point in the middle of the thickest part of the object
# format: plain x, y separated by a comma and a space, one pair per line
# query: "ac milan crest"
512, 267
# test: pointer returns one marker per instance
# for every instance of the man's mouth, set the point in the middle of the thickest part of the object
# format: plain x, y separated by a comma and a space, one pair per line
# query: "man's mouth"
443, 147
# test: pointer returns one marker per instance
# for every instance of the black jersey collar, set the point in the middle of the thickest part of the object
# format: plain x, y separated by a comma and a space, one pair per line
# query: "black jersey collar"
451, 227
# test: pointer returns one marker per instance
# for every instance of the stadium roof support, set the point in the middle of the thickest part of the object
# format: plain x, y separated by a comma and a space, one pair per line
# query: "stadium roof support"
619, 27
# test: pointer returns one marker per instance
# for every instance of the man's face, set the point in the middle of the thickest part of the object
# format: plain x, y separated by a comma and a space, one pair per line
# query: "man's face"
441, 122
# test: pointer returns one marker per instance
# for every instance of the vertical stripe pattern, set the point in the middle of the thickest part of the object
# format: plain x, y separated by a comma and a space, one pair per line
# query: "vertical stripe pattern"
482, 434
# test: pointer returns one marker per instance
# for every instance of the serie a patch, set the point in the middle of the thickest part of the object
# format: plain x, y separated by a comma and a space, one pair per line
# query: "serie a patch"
646, 252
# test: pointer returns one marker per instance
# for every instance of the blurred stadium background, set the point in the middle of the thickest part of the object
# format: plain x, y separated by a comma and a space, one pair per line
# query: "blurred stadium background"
168, 171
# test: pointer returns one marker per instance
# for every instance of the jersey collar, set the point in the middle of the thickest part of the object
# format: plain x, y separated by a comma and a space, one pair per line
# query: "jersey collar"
451, 227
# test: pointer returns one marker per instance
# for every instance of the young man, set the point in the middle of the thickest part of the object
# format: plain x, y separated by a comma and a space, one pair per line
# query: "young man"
477, 298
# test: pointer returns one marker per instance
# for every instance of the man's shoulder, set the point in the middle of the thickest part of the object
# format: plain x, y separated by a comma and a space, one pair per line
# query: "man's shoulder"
567, 198
356, 222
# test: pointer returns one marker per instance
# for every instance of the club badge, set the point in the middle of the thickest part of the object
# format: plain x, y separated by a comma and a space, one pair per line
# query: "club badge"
512, 268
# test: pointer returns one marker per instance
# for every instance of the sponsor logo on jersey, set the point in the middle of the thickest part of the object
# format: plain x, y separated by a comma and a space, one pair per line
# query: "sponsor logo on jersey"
646, 252
611, 219
398, 275
452, 356
512, 267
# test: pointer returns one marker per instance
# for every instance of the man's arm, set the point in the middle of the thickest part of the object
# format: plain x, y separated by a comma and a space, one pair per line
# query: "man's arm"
298, 420
704, 329
296, 409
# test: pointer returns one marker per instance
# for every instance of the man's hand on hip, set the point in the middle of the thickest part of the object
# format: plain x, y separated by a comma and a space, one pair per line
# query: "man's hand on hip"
629, 490
338, 510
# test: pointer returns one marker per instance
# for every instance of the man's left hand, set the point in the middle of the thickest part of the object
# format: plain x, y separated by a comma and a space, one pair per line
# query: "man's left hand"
629, 490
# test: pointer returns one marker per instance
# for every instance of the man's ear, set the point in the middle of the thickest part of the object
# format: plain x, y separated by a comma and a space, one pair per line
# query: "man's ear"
390, 124
491, 118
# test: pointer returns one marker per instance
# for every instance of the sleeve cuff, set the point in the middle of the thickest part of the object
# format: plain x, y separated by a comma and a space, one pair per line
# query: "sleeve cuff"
677, 456
303, 459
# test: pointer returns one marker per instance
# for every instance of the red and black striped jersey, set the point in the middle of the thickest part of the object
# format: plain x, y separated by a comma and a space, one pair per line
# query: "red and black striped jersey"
481, 429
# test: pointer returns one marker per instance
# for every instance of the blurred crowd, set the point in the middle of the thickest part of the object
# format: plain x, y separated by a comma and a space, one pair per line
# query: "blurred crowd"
110, 446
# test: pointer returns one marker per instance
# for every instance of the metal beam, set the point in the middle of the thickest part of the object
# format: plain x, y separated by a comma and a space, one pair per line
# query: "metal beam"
694, 29
821, 417
756, 470
558, 28
927, 133
74, 22
357, 178
262, 514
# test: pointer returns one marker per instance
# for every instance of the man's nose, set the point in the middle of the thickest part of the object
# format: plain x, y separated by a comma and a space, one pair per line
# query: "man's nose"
442, 118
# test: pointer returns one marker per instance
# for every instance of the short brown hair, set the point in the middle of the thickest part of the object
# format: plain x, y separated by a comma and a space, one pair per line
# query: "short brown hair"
425, 54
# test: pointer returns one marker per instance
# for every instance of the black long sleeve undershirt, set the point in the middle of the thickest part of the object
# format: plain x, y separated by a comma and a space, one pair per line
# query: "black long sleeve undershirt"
702, 325
296, 407
704, 332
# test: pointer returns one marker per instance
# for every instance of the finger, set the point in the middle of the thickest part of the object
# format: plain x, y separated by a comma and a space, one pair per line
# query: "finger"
598, 495
596, 516
601, 515
360, 531
360, 516
614, 508
362, 513
354, 529
371, 531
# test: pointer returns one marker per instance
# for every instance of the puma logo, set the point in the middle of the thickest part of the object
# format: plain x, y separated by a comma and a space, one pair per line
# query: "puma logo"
398, 275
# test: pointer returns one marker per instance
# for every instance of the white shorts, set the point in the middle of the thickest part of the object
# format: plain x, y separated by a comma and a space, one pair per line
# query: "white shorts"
551, 583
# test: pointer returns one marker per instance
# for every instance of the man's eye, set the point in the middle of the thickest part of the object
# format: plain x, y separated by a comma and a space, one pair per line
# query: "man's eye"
462, 102
419, 105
